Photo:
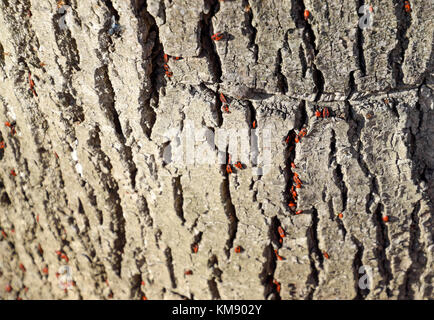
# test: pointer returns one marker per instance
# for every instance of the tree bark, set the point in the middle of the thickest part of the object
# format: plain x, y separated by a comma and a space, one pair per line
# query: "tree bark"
114, 178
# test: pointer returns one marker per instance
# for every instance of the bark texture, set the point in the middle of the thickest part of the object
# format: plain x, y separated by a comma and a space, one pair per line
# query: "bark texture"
89, 150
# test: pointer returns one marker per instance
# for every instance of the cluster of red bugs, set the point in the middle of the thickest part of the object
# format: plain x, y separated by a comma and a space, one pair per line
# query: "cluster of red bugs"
167, 71
296, 179
62, 256
325, 113
237, 165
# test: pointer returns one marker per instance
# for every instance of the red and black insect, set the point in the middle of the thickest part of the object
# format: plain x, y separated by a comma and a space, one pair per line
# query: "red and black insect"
217, 36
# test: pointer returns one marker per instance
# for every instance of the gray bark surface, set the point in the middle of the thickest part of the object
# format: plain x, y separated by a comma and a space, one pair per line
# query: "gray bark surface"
89, 150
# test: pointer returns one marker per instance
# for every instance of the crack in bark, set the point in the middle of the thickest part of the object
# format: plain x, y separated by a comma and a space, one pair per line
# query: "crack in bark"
418, 259
380, 252
357, 263
229, 208
313, 246
170, 266
106, 98
117, 221
253, 31
282, 81
216, 274
149, 32
308, 36
179, 198
359, 43
207, 46
396, 57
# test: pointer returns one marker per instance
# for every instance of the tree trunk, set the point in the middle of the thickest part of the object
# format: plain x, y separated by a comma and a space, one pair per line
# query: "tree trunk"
114, 177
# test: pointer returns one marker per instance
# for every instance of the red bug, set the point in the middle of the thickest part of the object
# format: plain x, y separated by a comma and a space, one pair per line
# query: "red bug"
297, 139
65, 257
217, 36
291, 205
325, 113
228, 169
318, 114
4, 234
188, 272
142, 283
21, 266
293, 165
277, 255
195, 248
303, 132
326, 255
144, 298
254, 124
340, 215
238, 249
299, 212
166, 58
169, 74
287, 139
2, 145
407, 6
298, 185
281, 231
13, 173
306, 14
386, 218
225, 108
277, 286
32, 85
177, 58
238, 165
297, 179
293, 192
223, 99
8, 288
45, 270
280, 240
166, 67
